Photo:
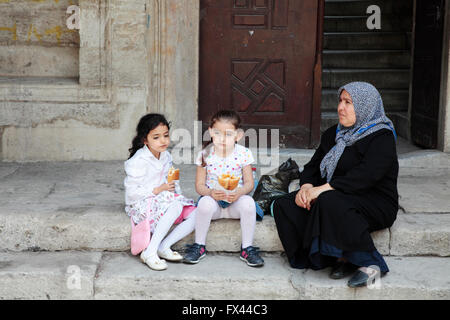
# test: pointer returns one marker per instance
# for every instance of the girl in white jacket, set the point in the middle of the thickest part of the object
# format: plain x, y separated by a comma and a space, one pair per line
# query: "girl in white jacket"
148, 195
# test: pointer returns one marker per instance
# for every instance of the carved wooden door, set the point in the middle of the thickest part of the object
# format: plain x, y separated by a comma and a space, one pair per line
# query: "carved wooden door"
429, 28
262, 59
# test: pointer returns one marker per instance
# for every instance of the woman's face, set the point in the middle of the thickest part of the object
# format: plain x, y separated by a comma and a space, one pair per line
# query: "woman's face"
346, 110
158, 139
224, 135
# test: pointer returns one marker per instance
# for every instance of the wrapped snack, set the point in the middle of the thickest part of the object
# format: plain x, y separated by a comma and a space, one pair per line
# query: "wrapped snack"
228, 182
174, 174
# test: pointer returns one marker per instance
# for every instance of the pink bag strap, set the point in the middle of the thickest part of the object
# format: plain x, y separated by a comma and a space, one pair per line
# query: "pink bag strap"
162, 173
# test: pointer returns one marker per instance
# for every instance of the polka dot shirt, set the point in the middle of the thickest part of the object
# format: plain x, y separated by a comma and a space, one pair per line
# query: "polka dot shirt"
232, 165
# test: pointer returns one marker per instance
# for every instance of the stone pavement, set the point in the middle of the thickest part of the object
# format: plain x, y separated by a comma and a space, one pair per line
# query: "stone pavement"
74, 210
120, 276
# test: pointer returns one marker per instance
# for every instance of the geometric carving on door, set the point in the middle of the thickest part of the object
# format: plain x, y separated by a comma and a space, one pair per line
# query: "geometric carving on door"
276, 72
243, 69
241, 102
260, 14
273, 103
258, 85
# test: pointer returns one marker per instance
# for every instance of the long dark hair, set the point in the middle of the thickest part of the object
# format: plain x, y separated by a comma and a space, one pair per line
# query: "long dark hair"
145, 125
223, 115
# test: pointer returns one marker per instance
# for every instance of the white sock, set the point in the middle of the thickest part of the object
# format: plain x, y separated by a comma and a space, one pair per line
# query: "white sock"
207, 209
245, 210
180, 231
162, 228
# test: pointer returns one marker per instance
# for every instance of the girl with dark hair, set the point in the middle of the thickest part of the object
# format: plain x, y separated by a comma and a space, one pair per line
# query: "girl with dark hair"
149, 196
223, 156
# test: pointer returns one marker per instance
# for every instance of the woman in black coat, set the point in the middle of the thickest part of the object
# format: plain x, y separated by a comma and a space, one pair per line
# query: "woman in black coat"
348, 190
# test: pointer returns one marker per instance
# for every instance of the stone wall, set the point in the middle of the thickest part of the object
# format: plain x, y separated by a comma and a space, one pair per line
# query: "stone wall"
35, 41
135, 57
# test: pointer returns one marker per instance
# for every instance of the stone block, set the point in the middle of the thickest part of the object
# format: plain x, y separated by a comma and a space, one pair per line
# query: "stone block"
52, 276
122, 276
421, 234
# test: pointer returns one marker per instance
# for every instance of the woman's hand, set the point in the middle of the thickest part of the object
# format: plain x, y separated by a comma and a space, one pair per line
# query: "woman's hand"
218, 195
300, 198
313, 193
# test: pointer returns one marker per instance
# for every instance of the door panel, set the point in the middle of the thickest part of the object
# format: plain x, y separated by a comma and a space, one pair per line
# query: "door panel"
428, 36
258, 57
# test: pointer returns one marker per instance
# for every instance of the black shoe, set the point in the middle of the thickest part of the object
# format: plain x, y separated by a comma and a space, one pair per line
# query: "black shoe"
361, 279
194, 253
251, 256
342, 270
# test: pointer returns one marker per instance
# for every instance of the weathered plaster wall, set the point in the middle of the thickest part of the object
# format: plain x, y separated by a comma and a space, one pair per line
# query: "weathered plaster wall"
174, 47
135, 57
35, 40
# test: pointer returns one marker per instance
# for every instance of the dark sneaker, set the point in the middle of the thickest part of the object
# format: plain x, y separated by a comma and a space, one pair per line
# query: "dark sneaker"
194, 253
251, 256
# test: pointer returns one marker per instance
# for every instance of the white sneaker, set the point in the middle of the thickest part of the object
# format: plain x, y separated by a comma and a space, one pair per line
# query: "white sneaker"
154, 263
170, 255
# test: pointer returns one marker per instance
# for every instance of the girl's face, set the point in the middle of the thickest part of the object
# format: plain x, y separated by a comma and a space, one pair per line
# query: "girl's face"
158, 139
224, 135
346, 110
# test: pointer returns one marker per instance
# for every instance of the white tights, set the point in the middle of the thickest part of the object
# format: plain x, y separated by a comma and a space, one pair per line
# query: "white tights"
208, 209
162, 228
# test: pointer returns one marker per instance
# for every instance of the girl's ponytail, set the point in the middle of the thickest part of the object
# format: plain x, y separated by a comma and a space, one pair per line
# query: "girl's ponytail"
137, 144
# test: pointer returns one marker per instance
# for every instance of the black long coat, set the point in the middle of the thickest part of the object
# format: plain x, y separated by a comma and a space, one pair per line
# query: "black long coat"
365, 198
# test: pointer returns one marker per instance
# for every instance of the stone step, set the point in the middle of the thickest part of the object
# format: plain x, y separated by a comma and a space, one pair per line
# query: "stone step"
366, 59
348, 23
357, 8
367, 41
380, 78
225, 236
36, 212
120, 276
424, 190
420, 234
109, 230
393, 100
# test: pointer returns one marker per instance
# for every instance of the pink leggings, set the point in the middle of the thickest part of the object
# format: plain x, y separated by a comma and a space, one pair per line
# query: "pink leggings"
208, 209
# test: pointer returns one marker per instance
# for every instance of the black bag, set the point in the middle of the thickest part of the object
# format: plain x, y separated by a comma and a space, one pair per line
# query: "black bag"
271, 187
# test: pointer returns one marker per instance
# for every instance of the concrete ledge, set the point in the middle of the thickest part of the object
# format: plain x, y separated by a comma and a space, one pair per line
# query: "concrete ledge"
216, 277
421, 234
425, 159
409, 279
119, 276
424, 191
108, 229
43, 275
57, 206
